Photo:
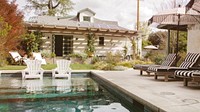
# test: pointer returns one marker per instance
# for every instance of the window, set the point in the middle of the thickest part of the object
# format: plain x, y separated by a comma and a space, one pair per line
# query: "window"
86, 18
101, 41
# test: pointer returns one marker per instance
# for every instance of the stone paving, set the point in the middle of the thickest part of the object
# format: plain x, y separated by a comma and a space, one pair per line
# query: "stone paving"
161, 96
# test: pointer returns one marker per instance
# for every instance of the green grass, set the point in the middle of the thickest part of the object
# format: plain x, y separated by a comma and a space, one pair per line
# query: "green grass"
74, 66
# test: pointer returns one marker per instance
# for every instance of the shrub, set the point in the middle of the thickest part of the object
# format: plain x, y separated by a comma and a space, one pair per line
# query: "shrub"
102, 65
77, 57
128, 64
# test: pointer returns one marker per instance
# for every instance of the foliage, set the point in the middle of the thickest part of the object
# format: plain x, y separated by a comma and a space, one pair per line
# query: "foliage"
182, 57
182, 41
11, 27
128, 64
102, 65
50, 7
133, 45
77, 55
110, 61
125, 51
182, 45
46, 53
113, 58
90, 48
145, 43
158, 38
4, 28
77, 66
31, 42
141, 62
156, 57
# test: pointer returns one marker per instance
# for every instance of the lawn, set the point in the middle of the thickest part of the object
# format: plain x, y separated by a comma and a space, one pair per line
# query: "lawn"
74, 66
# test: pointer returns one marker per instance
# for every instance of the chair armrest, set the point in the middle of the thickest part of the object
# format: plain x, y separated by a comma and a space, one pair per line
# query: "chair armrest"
194, 68
170, 69
177, 68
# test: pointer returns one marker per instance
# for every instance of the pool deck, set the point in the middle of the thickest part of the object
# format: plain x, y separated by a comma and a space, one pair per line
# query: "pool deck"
160, 96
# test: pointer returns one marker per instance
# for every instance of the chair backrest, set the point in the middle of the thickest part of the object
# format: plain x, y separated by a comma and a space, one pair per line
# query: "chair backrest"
15, 55
63, 65
169, 60
190, 60
33, 66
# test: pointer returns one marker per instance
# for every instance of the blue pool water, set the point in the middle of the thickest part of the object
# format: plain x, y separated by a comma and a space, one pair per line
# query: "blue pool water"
80, 94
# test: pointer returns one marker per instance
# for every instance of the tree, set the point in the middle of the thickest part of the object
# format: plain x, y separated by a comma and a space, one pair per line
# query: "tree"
13, 28
169, 4
31, 42
4, 29
158, 38
50, 7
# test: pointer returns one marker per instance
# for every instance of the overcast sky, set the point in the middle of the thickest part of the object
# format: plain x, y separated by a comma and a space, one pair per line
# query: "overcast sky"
123, 11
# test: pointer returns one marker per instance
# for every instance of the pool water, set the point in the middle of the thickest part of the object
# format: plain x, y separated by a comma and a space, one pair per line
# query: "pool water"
80, 94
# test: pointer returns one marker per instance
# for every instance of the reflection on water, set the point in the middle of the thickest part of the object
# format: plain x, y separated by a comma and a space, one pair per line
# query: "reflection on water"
62, 85
32, 86
55, 95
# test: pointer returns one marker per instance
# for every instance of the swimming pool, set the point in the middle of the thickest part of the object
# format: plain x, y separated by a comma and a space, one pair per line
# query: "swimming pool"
80, 94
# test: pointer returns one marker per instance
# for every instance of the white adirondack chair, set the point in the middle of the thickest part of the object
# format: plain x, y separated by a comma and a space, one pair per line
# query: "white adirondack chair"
63, 69
38, 56
62, 85
33, 70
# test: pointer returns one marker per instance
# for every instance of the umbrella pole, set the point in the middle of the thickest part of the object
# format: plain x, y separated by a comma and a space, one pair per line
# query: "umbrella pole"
168, 42
177, 37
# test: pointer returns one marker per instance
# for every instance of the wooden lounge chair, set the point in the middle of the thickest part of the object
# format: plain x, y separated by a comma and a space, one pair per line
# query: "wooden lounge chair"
189, 75
18, 59
169, 61
33, 70
38, 56
63, 69
191, 60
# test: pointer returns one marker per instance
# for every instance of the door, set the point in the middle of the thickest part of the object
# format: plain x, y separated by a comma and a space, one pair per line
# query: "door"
67, 45
59, 45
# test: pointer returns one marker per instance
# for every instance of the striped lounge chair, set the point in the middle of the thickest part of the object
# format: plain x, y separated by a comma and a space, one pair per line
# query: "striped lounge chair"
191, 60
188, 75
169, 61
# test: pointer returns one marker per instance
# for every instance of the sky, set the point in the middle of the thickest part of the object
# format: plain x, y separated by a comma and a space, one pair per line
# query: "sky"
123, 11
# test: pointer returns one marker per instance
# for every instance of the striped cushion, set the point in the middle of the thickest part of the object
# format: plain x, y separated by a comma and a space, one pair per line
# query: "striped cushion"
190, 60
169, 60
184, 73
154, 69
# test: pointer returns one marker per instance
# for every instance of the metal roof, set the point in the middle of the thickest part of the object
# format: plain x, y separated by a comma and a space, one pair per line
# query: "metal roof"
71, 25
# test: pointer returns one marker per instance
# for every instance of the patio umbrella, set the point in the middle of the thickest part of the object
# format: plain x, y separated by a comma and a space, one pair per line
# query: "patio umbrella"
176, 19
151, 47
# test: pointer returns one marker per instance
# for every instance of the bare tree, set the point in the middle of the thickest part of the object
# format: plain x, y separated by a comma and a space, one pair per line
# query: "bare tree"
169, 4
49, 7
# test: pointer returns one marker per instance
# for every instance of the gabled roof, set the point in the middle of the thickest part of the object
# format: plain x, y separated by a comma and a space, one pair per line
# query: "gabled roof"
86, 9
71, 24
